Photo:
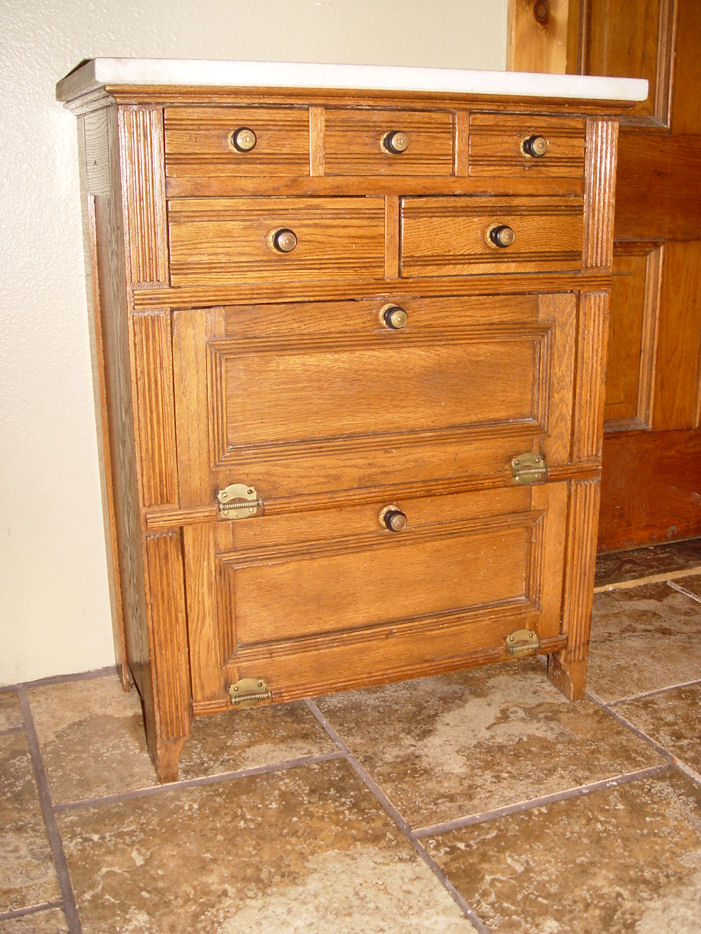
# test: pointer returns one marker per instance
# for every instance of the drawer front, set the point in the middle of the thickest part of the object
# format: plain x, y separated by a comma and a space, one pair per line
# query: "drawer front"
233, 141
451, 394
233, 240
514, 145
464, 572
458, 235
387, 142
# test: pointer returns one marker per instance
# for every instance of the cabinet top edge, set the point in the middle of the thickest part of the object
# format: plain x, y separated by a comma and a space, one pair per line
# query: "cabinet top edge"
97, 73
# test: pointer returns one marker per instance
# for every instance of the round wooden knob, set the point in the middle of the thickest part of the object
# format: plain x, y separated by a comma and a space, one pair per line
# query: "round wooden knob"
535, 146
394, 317
243, 139
396, 141
393, 518
501, 235
283, 240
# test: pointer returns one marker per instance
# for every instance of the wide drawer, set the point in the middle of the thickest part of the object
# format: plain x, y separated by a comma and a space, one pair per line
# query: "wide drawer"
364, 603
461, 235
387, 142
512, 145
233, 141
313, 398
233, 240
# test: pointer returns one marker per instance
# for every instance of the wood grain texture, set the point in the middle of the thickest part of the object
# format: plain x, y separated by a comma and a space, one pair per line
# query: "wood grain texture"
153, 360
442, 235
568, 669
650, 488
143, 191
496, 146
602, 138
632, 349
537, 35
591, 369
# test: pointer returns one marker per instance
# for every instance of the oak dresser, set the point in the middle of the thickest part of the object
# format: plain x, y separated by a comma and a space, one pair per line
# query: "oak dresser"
350, 334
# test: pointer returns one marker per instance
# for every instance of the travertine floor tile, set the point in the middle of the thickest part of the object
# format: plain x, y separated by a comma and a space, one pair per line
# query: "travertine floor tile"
643, 639
672, 719
10, 713
27, 875
623, 859
52, 921
92, 738
647, 562
249, 738
304, 849
691, 583
464, 743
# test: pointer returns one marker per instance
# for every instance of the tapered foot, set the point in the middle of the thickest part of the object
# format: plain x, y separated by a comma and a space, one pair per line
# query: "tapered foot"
568, 677
167, 759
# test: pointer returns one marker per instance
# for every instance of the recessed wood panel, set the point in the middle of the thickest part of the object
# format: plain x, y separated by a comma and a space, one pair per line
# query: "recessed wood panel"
678, 383
632, 39
633, 315
450, 236
229, 240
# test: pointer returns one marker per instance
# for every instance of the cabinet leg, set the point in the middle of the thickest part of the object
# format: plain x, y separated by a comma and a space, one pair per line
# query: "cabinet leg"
570, 678
167, 759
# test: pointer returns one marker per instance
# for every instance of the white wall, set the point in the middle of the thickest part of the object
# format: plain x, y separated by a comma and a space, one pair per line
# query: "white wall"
54, 609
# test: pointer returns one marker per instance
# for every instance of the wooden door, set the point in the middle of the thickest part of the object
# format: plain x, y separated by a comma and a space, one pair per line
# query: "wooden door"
651, 484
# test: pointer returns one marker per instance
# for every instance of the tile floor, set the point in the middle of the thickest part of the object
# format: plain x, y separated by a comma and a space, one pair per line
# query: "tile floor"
473, 801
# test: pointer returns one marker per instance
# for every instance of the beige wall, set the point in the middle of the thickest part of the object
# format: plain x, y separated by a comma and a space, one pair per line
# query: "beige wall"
54, 610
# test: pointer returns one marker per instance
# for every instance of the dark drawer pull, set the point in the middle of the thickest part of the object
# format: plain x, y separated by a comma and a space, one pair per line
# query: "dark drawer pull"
501, 235
283, 240
396, 142
243, 139
535, 146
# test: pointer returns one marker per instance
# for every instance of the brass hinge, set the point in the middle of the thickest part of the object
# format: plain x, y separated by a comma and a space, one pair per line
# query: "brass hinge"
529, 468
239, 501
248, 692
522, 642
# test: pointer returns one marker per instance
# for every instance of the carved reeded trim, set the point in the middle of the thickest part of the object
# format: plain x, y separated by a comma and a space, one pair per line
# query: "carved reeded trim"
579, 577
153, 361
591, 370
141, 133
168, 634
600, 190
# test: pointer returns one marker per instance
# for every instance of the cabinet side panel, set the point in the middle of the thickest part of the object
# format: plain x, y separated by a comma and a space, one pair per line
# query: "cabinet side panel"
602, 145
591, 376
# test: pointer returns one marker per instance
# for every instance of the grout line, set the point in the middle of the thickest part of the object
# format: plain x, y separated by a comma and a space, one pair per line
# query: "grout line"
70, 908
11, 729
544, 801
194, 782
633, 697
624, 721
399, 820
649, 579
31, 910
687, 593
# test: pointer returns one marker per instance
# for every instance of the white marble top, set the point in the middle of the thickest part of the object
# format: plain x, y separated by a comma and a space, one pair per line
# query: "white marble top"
152, 71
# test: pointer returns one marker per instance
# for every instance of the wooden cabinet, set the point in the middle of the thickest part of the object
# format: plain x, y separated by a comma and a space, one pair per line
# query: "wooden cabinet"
350, 349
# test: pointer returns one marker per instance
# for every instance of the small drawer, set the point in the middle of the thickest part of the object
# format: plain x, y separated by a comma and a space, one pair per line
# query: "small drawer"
515, 145
216, 141
233, 240
388, 142
445, 236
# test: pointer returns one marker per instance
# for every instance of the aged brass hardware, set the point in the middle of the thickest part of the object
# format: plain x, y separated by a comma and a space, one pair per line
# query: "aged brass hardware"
248, 692
535, 146
529, 468
522, 642
239, 501
396, 142
283, 240
394, 317
501, 235
243, 139
392, 518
